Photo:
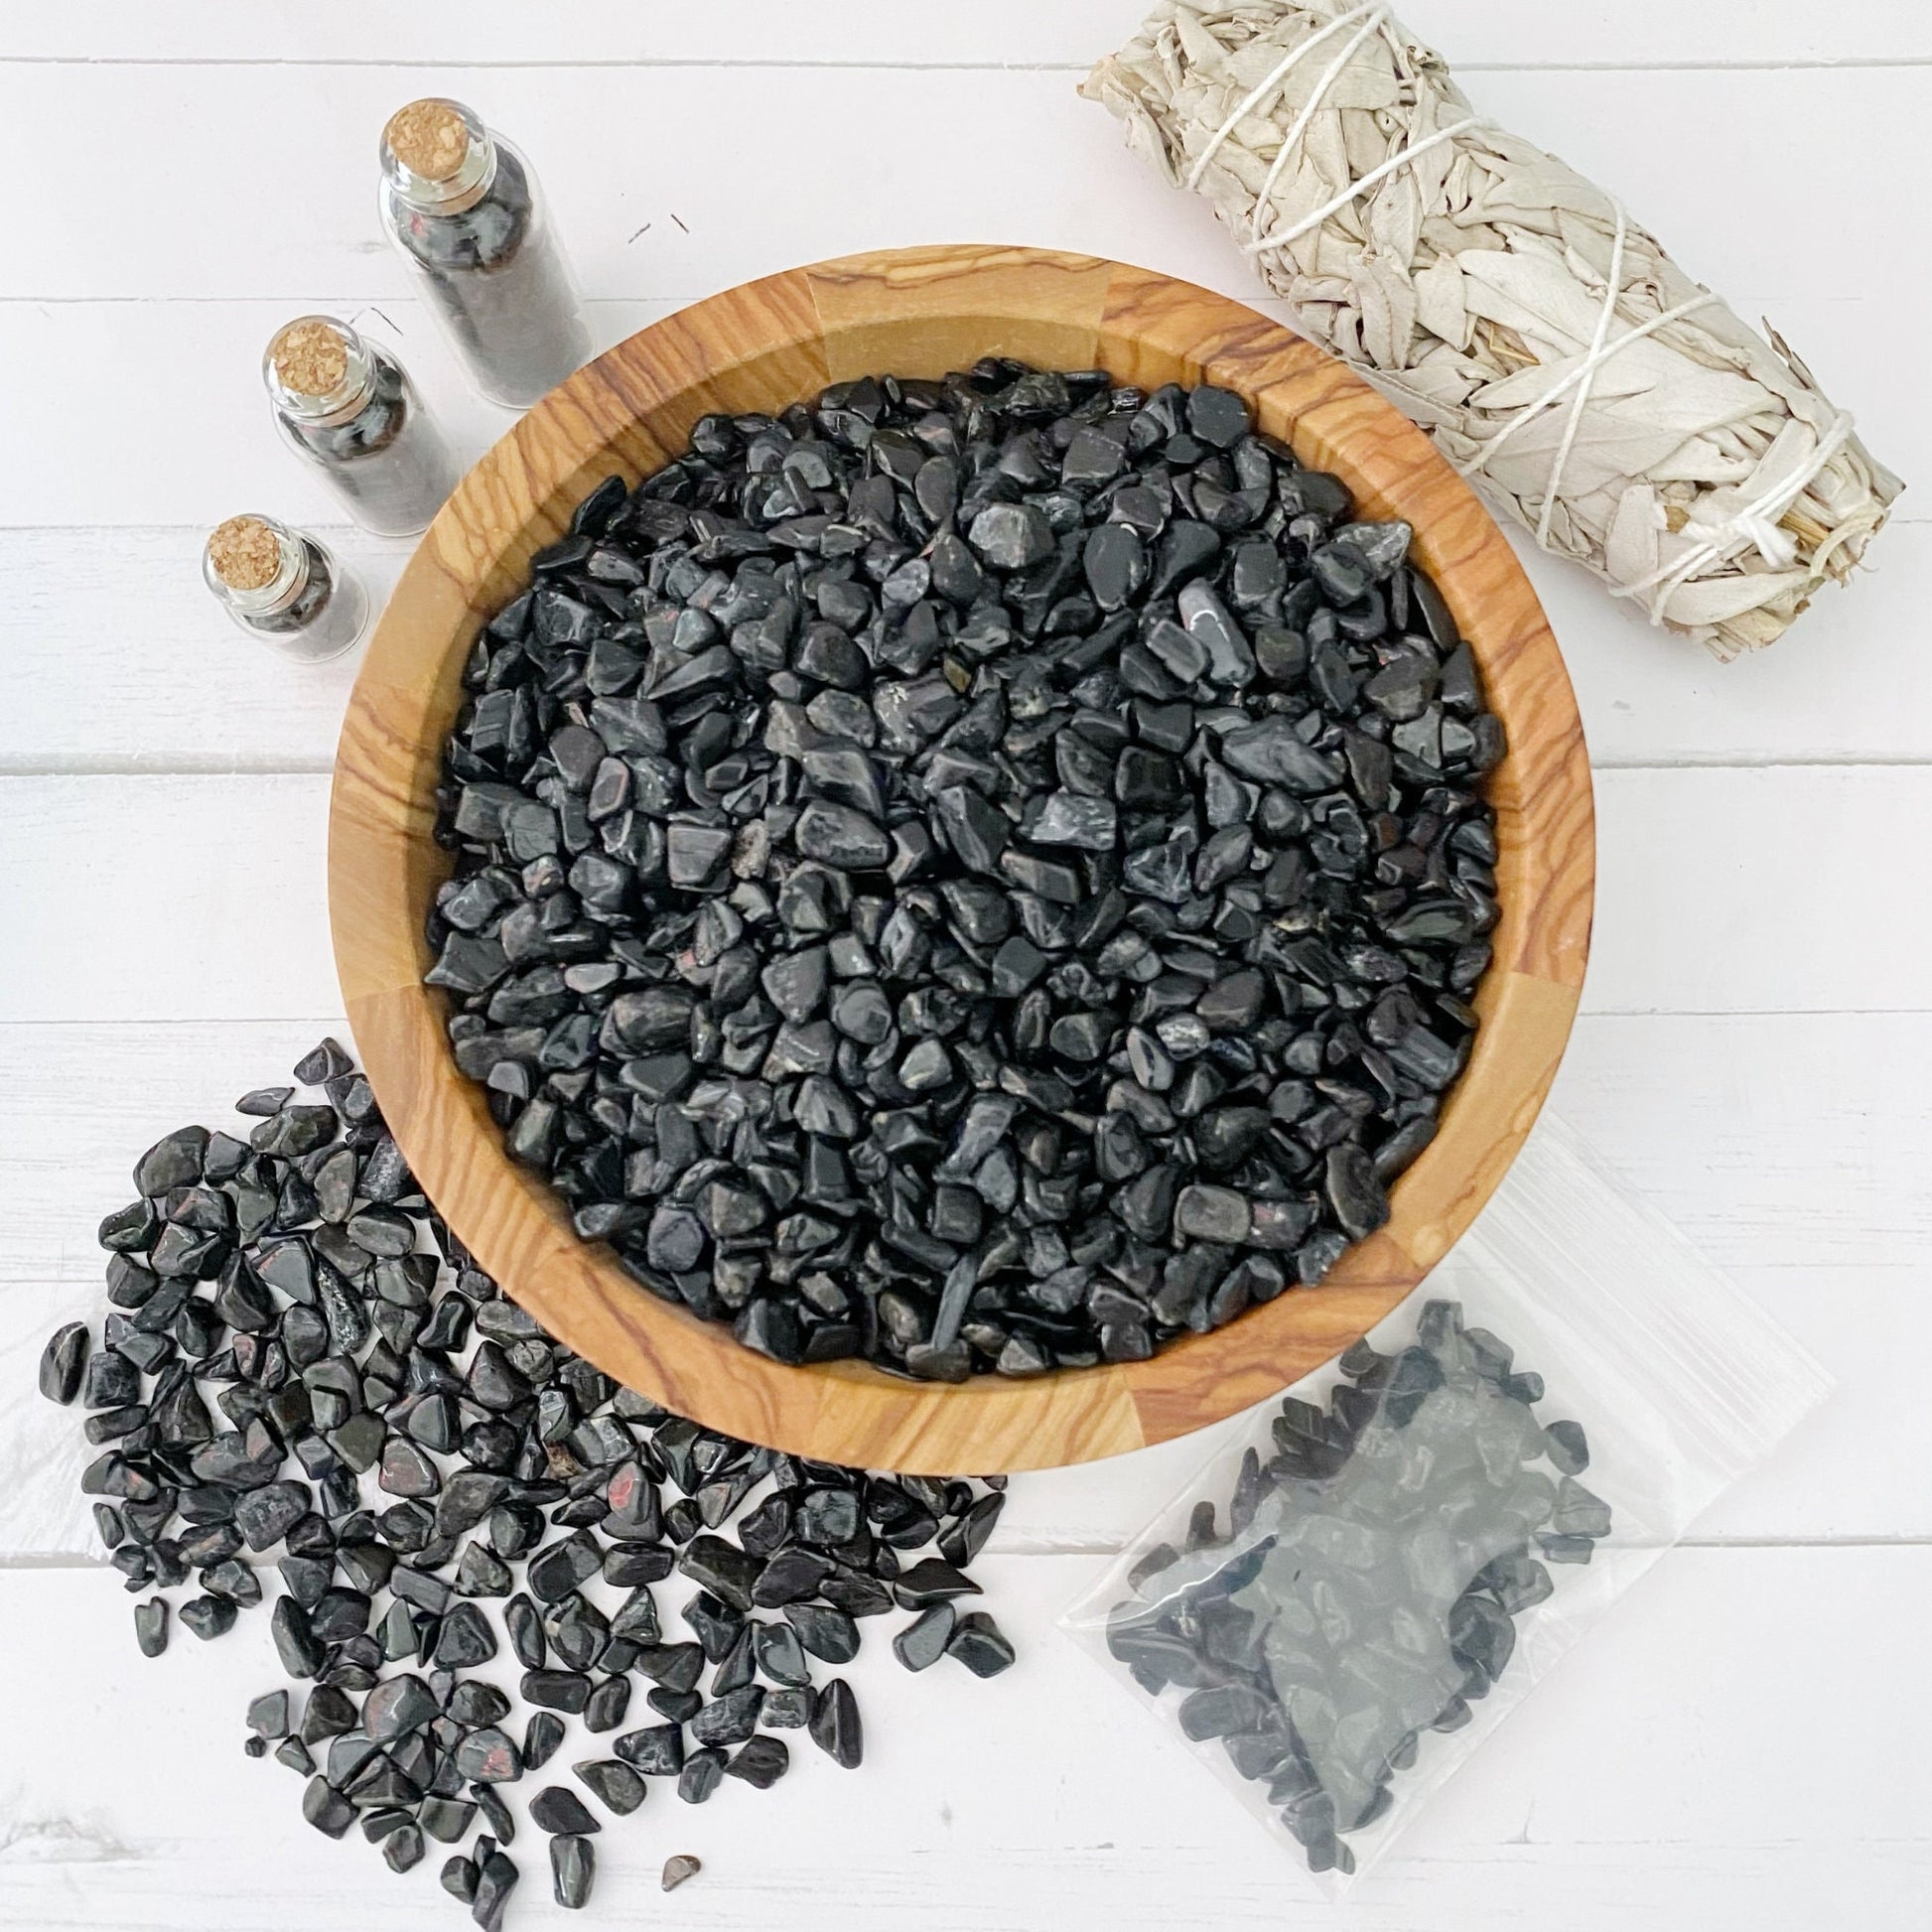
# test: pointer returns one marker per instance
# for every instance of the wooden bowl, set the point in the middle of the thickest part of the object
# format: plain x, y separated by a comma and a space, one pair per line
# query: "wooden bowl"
922, 312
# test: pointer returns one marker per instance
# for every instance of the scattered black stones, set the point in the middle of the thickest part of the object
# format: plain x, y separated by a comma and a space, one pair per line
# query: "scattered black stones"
1368, 1586
984, 875
296, 1393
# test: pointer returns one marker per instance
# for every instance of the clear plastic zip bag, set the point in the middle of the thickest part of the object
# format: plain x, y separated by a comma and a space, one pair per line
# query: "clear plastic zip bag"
1350, 1598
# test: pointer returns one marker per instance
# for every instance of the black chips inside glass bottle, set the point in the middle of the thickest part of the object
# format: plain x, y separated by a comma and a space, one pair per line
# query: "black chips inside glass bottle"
282, 587
464, 209
348, 406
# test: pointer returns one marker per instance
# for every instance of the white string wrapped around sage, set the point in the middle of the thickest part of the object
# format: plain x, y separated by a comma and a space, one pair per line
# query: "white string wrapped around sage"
1546, 342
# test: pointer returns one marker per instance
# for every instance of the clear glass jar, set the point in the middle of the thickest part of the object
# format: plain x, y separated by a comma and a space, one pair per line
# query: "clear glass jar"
464, 209
349, 407
282, 587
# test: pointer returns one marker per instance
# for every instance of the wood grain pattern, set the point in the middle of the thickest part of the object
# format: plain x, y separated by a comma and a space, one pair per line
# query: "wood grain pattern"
760, 346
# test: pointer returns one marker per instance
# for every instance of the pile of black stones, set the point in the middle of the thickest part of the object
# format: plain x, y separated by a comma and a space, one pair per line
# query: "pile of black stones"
980, 875
1367, 1587
304, 1369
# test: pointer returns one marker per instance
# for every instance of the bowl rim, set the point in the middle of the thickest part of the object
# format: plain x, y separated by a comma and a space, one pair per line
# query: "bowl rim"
806, 328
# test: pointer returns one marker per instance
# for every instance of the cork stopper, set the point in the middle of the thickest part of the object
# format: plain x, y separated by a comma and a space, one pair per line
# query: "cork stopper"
310, 357
246, 553
430, 138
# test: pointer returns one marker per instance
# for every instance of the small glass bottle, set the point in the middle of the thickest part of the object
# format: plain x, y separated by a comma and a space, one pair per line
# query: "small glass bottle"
282, 587
464, 209
348, 406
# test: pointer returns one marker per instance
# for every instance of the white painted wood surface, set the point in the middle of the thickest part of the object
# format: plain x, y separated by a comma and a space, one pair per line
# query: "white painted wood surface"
1743, 1744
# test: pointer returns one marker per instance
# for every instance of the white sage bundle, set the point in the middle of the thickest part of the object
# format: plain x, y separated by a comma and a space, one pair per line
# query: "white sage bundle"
1546, 342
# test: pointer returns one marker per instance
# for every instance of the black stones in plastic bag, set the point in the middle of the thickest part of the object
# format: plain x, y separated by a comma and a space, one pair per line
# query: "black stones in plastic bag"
1367, 1589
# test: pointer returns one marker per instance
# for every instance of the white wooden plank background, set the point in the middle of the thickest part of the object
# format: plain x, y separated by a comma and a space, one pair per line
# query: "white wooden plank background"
1476, 34
1687, 1771
1743, 1744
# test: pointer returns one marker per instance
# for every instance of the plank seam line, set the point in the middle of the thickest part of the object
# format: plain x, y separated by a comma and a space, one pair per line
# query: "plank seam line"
133, 766
1850, 63
1101, 1547
337, 1018
309, 295
1751, 1013
1763, 762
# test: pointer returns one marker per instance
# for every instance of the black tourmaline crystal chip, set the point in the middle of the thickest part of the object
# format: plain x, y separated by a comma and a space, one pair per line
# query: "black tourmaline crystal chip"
541, 1736
762, 1763
701, 1774
924, 1640
151, 1626
557, 1808
573, 1867
268, 1715
980, 1644
496, 1877
985, 875
835, 1726
62, 1361
616, 1786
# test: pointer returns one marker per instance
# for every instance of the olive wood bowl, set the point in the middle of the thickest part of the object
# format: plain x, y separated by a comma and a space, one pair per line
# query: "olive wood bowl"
922, 312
